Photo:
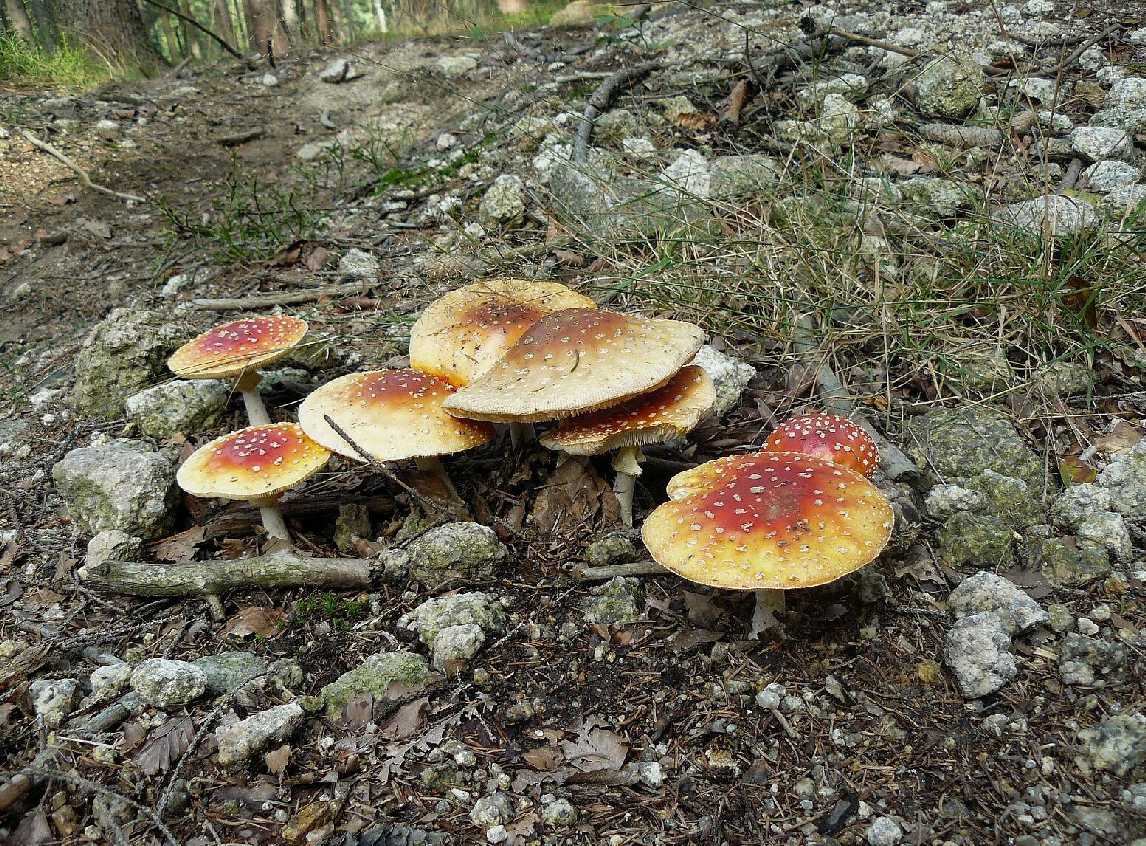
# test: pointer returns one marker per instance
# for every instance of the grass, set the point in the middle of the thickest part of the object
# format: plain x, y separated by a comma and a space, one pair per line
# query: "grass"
66, 67
340, 612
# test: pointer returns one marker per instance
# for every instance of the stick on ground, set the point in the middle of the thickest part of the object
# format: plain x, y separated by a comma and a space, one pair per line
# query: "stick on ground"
599, 102
76, 169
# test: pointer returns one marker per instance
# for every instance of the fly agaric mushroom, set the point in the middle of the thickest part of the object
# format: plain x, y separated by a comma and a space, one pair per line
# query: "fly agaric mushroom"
256, 464
239, 348
391, 415
462, 334
670, 411
768, 522
828, 437
578, 360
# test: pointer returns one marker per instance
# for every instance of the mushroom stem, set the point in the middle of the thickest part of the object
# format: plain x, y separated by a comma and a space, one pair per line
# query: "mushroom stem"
521, 435
432, 465
273, 521
248, 386
627, 463
768, 604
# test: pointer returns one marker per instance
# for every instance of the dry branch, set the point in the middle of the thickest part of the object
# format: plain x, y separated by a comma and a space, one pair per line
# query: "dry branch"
288, 298
76, 169
217, 38
609, 571
202, 578
599, 102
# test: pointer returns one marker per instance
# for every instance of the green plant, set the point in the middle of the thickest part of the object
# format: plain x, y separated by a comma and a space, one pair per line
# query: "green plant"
337, 610
67, 66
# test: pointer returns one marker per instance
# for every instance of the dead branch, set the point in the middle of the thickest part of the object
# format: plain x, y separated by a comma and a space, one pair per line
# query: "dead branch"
76, 169
609, 571
289, 298
201, 578
599, 102
216, 38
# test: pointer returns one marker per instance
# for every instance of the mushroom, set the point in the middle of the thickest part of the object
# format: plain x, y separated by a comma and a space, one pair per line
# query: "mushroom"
670, 411
239, 348
828, 437
256, 465
575, 361
390, 415
768, 522
462, 334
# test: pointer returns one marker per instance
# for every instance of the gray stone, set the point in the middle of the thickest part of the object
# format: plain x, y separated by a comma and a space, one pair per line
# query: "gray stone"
616, 125
1063, 377
559, 813
613, 548
455, 552
268, 80
1117, 744
1132, 121
978, 653
1083, 658
1076, 502
1059, 618
975, 540
165, 683
112, 545
1010, 498
1126, 94
949, 86
1108, 530
121, 356
616, 601
106, 129
241, 740
1109, 175
455, 626
1062, 215
986, 592
884, 831
227, 671
729, 375
771, 696
504, 202
1123, 200
495, 809
739, 177
689, 174
454, 646
851, 86
109, 681
121, 485
179, 406
52, 699
358, 264
337, 71
1064, 562
1125, 480
1100, 142
838, 118
451, 67
639, 148
1045, 91
962, 136
388, 677
963, 442
945, 500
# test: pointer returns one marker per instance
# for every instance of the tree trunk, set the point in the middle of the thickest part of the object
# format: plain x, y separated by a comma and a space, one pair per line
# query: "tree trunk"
47, 36
192, 38
111, 29
380, 16
221, 22
322, 22
16, 19
265, 31
288, 20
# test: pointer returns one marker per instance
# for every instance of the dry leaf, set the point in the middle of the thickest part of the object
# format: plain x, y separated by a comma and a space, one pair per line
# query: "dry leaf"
165, 745
8, 556
1074, 471
544, 758
740, 95
696, 121
317, 258
692, 638
179, 547
596, 749
1121, 437
277, 760
254, 620
407, 720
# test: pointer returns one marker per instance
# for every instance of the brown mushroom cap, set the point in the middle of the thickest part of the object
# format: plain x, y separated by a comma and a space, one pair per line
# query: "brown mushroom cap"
670, 411
462, 335
828, 437
256, 463
578, 360
236, 347
769, 520
391, 414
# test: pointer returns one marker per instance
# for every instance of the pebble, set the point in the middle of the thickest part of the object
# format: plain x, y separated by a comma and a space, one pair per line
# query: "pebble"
884, 831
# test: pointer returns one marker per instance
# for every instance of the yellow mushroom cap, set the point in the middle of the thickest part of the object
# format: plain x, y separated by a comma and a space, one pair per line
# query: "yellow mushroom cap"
670, 411
462, 335
391, 414
769, 520
829, 437
236, 347
578, 360
255, 463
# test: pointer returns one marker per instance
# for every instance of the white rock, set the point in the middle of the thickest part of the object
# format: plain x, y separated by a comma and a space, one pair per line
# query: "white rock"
989, 593
184, 406
165, 683
1109, 175
639, 148
1039, 8
337, 71
978, 652
1122, 200
112, 545
1100, 142
359, 264
241, 740
268, 80
1108, 530
52, 699
884, 831
452, 67
730, 376
504, 202
107, 129
944, 500
690, 174
110, 680
1127, 93
1063, 215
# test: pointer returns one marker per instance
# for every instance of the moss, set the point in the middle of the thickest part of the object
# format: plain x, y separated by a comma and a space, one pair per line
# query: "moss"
963, 442
616, 601
975, 540
1011, 499
387, 677
1066, 562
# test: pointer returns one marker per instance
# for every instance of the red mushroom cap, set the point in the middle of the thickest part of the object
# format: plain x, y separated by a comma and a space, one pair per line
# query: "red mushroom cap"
236, 347
829, 437
255, 463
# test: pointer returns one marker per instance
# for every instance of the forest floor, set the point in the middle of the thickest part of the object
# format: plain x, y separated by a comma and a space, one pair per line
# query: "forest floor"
827, 210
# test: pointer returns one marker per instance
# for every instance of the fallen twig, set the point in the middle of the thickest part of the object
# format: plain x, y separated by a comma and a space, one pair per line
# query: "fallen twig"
375, 463
256, 302
609, 571
218, 39
77, 170
599, 102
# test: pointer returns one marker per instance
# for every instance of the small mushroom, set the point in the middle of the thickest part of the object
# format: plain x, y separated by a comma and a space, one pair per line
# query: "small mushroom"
464, 333
239, 349
671, 411
575, 361
828, 437
256, 464
391, 415
768, 522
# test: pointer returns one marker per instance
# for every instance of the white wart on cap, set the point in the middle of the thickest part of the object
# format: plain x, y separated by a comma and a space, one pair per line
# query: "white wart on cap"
391, 415
578, 360
769, 520
252, 464
670, 411
828, 437
237, 347
462, 334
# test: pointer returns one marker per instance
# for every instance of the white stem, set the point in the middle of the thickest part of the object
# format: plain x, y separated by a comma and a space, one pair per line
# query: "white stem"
521, 435
623, 486
248, 386
768, 604
273, 522
432, 465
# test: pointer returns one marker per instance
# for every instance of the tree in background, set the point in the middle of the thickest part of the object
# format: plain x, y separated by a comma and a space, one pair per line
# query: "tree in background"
112, 29
16, 19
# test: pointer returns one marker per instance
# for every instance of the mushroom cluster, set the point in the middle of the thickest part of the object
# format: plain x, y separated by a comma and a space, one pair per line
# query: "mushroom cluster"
798, 513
